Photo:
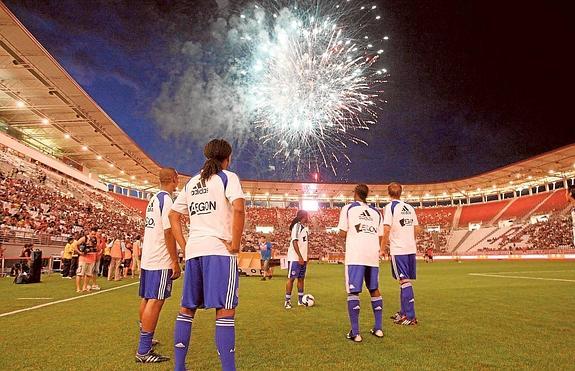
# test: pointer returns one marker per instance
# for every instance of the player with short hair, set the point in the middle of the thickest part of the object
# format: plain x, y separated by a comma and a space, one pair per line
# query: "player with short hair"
399, 231
362, 227
215, 204
297, 256
159, 265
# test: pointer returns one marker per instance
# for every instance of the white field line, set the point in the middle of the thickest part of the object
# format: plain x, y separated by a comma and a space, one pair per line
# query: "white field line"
521, 277
564, 270
65, 300
34, 298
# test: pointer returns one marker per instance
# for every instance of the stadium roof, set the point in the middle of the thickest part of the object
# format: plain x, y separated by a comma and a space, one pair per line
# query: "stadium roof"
546, 168
43, 106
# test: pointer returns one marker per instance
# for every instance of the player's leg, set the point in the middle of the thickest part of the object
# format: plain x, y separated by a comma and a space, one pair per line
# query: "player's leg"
192, 298
353, 283
79, 272
395, 274
406, 268
293, 271
221, 292
301, 283
372, 284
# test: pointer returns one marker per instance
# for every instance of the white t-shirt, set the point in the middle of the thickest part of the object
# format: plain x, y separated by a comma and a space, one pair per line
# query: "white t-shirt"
208, 203
363, 225
402, 220
299, 233
154, 251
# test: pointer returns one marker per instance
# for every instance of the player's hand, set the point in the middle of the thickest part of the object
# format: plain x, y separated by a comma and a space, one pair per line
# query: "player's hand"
176, 271
228, 245
301, 261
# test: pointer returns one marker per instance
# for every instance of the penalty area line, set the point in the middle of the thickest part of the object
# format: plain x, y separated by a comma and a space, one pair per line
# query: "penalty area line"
66, 300
521, 277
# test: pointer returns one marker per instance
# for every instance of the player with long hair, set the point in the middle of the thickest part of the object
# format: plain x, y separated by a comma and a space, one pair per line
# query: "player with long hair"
297, 256
215, 204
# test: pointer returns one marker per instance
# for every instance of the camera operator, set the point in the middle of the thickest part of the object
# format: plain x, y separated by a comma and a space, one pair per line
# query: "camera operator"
86, 246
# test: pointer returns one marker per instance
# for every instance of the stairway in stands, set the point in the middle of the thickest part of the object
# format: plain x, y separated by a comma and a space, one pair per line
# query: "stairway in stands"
456, 217
498, 215
528, 215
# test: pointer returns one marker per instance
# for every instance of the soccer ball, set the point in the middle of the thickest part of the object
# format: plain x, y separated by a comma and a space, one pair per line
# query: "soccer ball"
308, 300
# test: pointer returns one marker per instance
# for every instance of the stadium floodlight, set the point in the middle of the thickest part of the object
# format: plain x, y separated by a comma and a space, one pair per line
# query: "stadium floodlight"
111, 165
145, 182
84, 148
310, 205
45, 121
67, 136
20, 104
98, 157
133, 177
122, 172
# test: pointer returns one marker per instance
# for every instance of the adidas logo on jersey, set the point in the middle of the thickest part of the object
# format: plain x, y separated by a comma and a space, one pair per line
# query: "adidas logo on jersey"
405, 210
199, 189
365, 216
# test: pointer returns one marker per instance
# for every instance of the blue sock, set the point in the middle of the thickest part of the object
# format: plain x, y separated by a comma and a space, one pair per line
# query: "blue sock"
288, 297
225, 342
353, 311
299, 295
377, 306
408, 300
145, 342
182, 335
401, 301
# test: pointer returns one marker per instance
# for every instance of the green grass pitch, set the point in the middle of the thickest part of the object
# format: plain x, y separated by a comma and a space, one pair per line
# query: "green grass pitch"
466, 322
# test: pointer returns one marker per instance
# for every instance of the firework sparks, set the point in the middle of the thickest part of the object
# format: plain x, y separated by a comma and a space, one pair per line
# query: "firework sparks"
311, 77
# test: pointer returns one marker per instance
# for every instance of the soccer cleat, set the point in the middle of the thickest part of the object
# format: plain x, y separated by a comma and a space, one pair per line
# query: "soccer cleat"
300, 304
263, 279
396, 316
355, 338
287, 305
406, 321
96, 288
376, 333
151, 357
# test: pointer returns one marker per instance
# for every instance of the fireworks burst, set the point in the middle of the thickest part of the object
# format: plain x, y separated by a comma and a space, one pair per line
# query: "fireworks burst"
311, 77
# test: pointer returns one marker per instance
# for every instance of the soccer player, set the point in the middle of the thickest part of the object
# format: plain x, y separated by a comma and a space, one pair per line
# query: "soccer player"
266, 254
362, 227
297, 256
159, 265
399, 231
214, 202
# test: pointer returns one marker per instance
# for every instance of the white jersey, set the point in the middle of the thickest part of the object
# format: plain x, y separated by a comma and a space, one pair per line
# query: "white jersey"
402, 220
299, 233
208, 203
364, 226
154, 251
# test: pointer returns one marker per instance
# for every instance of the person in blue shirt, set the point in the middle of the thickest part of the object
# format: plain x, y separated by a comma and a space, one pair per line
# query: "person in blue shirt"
266, 253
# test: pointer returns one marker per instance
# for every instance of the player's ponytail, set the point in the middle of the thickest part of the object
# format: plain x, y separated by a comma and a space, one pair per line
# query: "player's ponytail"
216, 152
301, 214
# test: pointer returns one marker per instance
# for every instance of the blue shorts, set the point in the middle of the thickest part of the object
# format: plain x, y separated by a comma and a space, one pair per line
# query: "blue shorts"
156, 284
211, 282
403, 266
296, 270
356, 274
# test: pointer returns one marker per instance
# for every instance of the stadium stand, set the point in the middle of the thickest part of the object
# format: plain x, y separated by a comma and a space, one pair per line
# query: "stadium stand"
480, 213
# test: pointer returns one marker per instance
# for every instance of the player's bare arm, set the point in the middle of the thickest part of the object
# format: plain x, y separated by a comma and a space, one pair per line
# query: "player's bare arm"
172, 250
385, 238
296, 249
176, 228
238, 221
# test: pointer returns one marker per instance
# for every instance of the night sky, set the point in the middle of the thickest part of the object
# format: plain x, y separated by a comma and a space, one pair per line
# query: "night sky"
474, 85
